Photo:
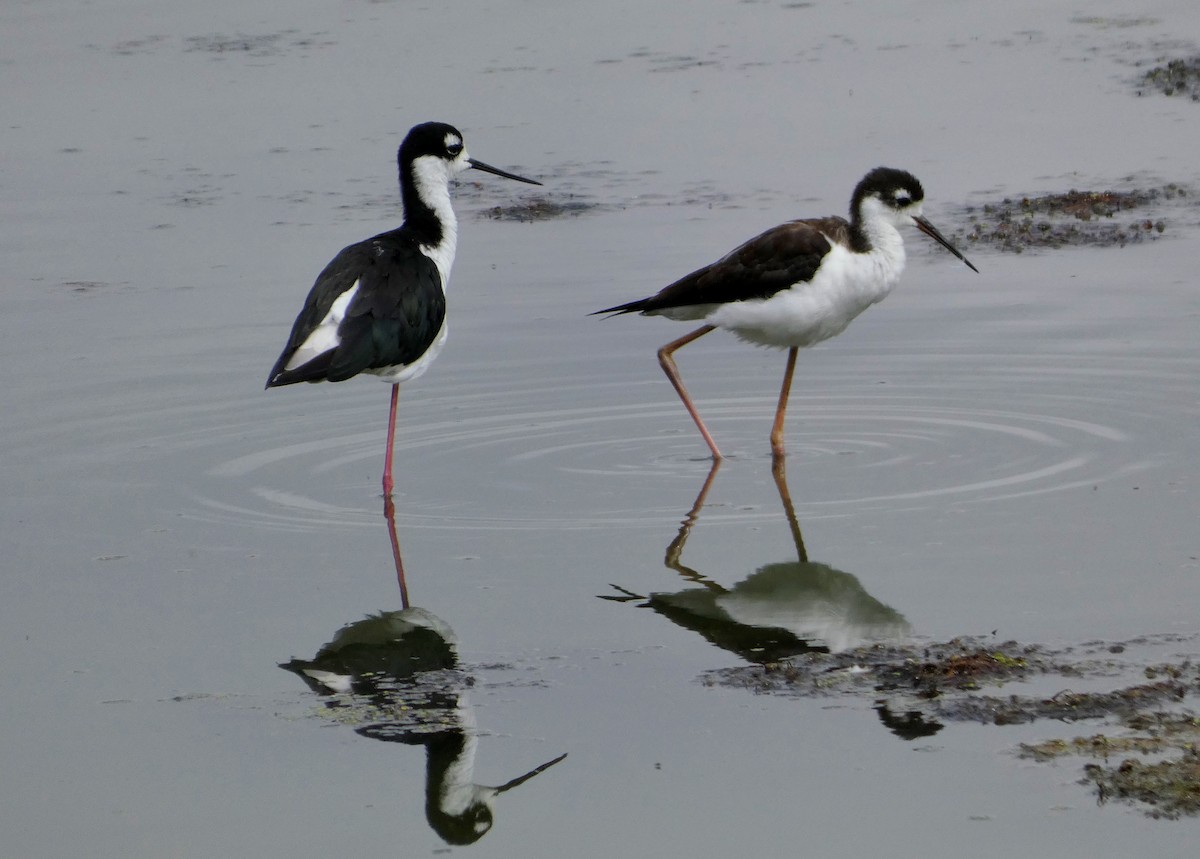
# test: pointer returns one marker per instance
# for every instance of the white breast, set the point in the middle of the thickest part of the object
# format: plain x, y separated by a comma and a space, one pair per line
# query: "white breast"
845, 285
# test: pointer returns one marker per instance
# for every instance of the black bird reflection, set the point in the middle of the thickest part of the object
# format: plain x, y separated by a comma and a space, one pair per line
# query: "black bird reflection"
781, 609
394, 676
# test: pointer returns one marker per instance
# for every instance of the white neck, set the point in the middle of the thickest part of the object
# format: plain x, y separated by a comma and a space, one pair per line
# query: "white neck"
880, 223
432, 176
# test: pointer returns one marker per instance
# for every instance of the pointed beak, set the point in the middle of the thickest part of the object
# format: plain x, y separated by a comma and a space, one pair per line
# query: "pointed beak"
932, 231
522, 779
488, 168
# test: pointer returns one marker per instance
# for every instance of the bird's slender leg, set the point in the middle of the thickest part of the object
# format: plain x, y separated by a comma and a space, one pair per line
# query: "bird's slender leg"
777, 427
668, 365
389, 513
391, 438
675, 550
779, 472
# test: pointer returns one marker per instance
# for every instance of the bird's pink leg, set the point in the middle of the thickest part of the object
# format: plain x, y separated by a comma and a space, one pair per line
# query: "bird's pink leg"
668, 365
389, 513
391, 438
777, 427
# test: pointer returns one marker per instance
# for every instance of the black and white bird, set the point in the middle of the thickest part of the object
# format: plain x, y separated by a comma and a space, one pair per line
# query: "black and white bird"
797, 284
380, 306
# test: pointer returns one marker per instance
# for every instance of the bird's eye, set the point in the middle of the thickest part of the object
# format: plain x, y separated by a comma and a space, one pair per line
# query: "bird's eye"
454, 149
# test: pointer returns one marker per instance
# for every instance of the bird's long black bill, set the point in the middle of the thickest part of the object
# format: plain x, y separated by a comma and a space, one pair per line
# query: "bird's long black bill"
932, 231
488, 168
519, 780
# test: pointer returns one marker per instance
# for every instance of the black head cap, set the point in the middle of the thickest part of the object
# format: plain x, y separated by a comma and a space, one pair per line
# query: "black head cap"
431, 138
894, 188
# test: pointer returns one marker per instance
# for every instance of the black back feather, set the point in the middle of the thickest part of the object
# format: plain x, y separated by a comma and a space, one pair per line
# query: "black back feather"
393, 319
768, 263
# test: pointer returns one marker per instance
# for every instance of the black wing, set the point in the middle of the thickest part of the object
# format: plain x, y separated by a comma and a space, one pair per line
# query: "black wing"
338, 276
393, 319
782, 256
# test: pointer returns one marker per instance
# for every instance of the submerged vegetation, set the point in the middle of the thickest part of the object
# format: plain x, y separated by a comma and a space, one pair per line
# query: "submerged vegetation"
1148, 754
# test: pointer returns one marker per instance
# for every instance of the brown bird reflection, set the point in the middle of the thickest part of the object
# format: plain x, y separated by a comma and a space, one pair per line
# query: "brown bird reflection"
395, 676
781, 609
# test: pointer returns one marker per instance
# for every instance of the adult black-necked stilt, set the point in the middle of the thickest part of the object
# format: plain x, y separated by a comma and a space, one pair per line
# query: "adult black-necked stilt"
797, 284
380, 306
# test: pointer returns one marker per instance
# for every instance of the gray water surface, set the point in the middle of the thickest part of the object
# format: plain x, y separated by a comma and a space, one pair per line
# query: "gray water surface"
1013, 451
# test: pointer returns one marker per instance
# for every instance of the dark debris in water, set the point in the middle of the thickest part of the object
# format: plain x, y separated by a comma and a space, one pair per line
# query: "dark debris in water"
1149, 752
1175, 77
254, 44
538, 209
138, 46
1167, 787
1065, 706
927, 673
1076, 218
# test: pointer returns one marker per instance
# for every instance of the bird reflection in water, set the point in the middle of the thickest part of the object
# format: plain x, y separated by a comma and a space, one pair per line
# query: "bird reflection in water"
780, 610
394, 676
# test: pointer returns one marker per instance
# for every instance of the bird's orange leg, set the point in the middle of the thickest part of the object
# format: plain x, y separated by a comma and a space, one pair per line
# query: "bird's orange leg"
668, 365
777, 427
779, 472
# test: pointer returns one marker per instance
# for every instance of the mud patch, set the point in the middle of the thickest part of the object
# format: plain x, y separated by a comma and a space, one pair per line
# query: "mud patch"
539, 209
1148, 753
1105, 218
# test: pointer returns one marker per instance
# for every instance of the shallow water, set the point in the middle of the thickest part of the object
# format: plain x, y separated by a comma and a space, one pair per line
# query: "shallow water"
1011, 451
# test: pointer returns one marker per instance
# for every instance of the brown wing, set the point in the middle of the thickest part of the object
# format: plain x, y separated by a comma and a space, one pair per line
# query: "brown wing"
780, 257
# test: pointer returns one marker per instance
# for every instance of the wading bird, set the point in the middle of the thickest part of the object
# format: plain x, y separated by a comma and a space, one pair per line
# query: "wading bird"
796, 284
380, 305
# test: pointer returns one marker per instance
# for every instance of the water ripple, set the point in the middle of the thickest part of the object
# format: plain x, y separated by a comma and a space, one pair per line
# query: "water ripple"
547, 456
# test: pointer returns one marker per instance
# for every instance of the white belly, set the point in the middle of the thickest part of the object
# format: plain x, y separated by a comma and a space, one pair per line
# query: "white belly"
789, 318
809, 312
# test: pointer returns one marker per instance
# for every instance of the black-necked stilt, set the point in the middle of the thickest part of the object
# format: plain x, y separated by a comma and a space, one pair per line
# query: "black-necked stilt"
797, 284
380, 306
